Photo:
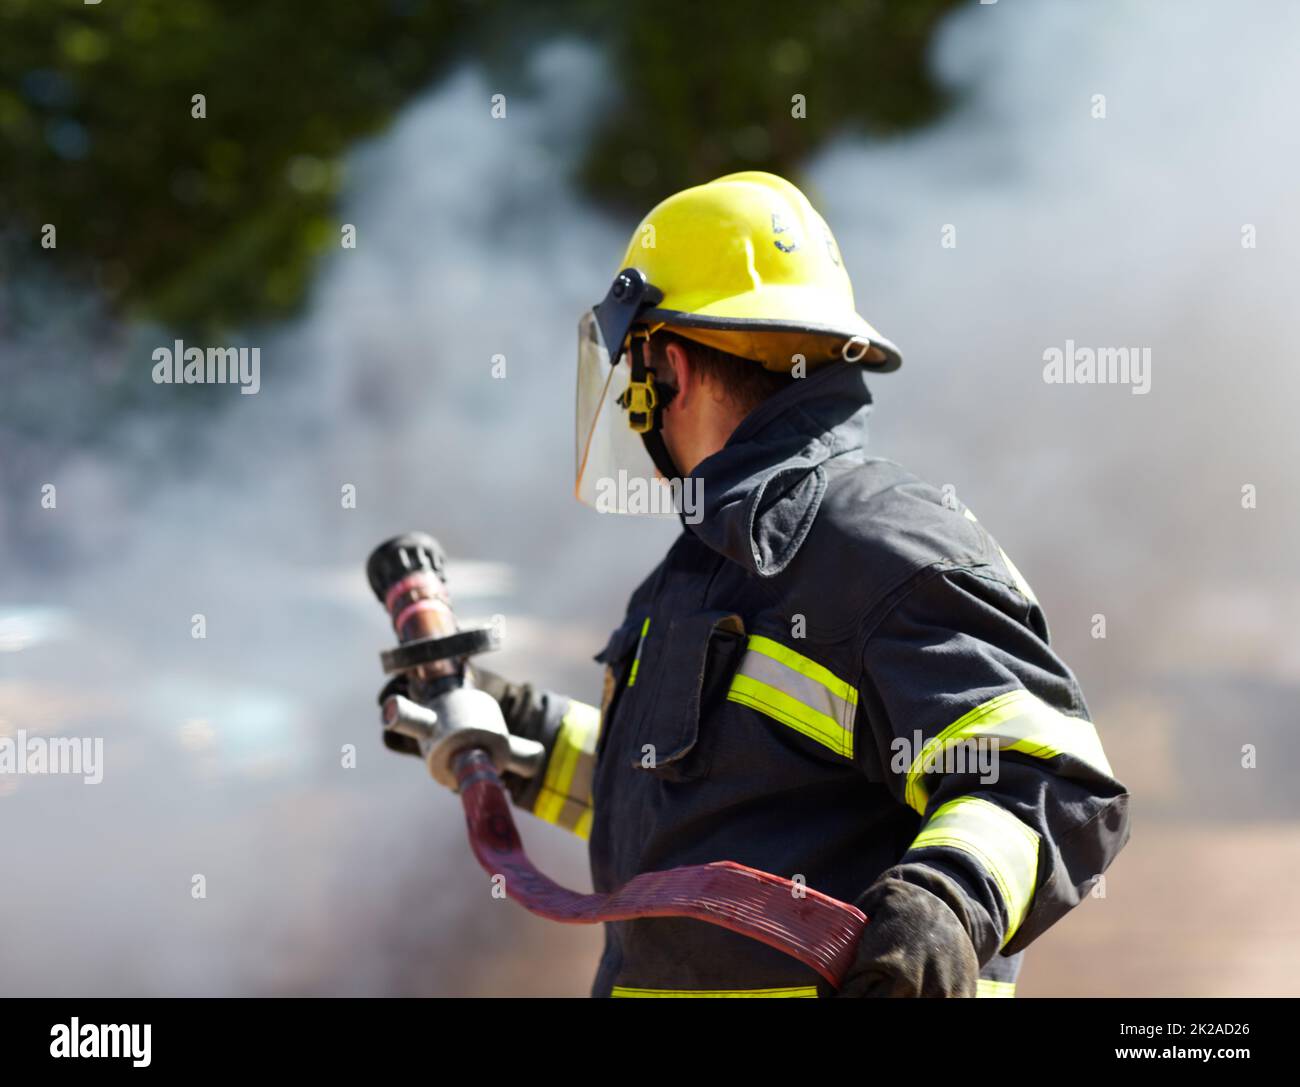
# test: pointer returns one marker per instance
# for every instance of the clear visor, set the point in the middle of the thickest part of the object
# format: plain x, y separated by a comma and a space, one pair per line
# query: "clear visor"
614, 471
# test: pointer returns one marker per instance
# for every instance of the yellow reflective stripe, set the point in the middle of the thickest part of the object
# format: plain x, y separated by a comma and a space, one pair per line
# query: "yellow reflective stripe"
1005, 848
798, 692
1016, 575
636, 661
991, 988
795, 990
565, 797
805, 666
790, 711
1019, 578
1015, 721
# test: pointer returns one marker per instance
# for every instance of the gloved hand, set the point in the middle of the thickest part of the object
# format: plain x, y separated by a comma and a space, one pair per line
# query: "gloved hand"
914, 945
512, 697
529, 713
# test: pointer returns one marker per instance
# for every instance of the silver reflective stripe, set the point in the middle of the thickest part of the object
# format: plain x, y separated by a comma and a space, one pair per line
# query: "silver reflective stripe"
1015, 721
797, 691
998, 841
565, 796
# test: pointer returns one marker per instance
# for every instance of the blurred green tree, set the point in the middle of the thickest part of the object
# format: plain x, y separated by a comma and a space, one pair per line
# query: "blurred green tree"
214, 223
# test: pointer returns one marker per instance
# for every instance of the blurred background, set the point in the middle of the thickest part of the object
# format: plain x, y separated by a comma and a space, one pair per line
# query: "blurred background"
481, 236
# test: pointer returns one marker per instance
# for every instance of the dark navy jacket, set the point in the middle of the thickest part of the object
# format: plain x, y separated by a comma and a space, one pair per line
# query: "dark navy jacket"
807, 685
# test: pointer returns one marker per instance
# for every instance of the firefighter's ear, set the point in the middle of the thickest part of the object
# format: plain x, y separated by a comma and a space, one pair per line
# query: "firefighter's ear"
681, 375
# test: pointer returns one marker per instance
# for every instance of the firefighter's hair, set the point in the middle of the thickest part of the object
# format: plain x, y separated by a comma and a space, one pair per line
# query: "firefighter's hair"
747, 382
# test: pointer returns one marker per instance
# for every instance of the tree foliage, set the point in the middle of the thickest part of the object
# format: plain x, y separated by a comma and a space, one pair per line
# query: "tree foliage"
215, 222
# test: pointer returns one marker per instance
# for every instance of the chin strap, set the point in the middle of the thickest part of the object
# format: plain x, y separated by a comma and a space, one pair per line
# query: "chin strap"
654, 444
645, 401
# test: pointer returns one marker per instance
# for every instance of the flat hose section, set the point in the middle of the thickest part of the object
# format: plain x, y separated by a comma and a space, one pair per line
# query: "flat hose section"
814, 928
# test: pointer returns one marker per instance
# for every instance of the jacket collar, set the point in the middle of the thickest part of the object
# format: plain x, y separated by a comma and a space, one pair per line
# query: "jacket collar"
762, 490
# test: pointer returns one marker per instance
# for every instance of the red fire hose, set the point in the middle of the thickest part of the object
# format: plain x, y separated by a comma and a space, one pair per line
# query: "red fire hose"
819, 931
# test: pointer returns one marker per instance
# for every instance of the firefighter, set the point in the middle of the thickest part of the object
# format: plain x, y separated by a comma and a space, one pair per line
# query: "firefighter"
835, 674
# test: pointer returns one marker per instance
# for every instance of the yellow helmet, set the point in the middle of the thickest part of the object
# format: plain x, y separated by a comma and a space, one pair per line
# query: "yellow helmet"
746, 265
743, 264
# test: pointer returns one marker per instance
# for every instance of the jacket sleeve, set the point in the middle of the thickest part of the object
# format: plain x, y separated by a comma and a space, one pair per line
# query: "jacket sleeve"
983, 732
561, 791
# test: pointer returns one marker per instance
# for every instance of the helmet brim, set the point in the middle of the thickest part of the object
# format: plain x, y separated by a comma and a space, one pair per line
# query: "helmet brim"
799, 312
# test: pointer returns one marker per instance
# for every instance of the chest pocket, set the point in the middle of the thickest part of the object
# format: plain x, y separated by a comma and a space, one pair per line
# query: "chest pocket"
617, 657
683, 671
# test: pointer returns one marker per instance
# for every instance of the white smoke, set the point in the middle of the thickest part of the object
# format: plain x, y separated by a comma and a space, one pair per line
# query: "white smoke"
223, 754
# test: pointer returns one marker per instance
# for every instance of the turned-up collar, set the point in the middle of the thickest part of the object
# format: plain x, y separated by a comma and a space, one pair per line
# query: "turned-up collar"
760, 493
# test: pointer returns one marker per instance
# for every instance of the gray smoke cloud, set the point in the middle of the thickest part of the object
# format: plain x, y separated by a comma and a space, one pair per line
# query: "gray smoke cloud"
222, 755
1122, 231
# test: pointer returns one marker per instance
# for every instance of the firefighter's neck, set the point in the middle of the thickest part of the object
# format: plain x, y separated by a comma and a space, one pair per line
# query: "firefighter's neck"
700, 418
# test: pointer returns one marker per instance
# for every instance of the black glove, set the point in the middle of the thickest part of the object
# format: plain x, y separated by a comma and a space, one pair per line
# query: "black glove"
914, 944
529, 713
516, 702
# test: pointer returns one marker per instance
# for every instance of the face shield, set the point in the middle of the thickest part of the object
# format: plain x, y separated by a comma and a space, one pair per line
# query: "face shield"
615, 472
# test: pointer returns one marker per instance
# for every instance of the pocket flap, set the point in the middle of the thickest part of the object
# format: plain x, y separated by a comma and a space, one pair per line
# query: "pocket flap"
622, 641
688, 666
